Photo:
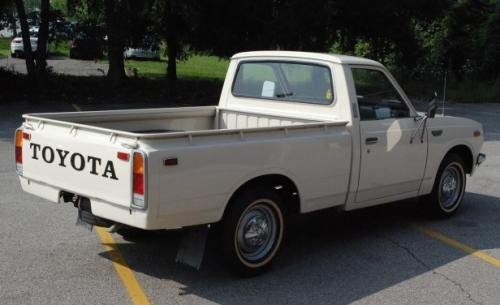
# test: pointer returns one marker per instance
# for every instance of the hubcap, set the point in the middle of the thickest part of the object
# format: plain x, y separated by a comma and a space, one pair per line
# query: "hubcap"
256, 232
451, 187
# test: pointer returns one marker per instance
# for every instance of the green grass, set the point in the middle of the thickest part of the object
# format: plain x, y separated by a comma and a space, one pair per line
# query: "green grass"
59, 48
5, 47
197, 66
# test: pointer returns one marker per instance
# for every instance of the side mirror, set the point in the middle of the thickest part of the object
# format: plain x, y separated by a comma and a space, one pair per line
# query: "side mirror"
432, 107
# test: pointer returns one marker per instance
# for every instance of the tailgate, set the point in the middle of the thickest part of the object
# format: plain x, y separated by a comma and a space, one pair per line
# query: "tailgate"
83, 162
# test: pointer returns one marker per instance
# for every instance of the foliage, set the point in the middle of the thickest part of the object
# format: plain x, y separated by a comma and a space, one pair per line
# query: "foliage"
87, 90
419, 40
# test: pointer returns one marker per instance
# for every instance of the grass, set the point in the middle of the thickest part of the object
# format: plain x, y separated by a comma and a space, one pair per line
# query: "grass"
59, 48
195, 67
4, 47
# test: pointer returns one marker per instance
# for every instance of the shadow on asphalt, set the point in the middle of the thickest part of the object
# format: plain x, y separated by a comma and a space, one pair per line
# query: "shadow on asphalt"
342, 256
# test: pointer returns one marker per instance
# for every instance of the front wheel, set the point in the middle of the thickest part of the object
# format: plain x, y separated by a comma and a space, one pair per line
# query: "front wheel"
449, 187
253, 230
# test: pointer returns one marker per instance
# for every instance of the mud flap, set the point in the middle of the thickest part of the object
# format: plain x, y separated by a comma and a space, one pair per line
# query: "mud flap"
85, 217
80, 220
192, 246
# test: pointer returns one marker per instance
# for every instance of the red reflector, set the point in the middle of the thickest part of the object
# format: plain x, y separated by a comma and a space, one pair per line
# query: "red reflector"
19, 155
26, 136
170, 162
139, 184
123, 156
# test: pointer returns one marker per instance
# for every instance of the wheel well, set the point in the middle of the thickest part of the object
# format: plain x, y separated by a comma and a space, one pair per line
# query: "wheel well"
466, 154
283, 185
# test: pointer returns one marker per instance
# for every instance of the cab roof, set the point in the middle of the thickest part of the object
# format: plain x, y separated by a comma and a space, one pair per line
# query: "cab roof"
339, 59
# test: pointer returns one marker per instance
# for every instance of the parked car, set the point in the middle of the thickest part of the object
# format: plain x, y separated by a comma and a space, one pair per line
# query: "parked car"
142, 53
85, 47
34, 30
293, 133
17, 45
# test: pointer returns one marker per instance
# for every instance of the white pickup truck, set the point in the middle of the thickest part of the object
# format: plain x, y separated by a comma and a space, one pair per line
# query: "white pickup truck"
294, 132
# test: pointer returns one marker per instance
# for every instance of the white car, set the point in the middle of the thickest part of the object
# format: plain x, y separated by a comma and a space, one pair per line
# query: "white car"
293, 133
17, 45
141, 53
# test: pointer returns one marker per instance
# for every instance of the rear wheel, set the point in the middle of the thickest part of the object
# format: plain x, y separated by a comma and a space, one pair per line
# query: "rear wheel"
253, 230
449, 187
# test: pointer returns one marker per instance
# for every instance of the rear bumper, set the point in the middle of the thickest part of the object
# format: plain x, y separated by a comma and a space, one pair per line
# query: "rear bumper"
131, 217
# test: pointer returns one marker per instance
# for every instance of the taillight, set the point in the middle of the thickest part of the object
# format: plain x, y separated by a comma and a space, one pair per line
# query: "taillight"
139, 178
19, 151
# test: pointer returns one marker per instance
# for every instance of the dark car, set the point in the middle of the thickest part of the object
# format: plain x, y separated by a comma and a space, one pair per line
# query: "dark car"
87, 42
84, 48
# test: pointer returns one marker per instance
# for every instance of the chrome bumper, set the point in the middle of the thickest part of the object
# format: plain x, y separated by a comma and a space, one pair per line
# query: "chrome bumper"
480, 159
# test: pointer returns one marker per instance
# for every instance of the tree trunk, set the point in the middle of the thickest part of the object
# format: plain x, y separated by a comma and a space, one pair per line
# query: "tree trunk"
172, 44
30, 63
43, 37
116, 70
172, 57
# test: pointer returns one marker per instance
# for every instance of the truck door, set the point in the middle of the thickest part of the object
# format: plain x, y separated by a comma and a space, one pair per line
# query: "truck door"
392, 165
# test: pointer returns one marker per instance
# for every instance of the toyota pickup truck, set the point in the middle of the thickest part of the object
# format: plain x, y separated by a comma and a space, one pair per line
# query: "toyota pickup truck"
293, 133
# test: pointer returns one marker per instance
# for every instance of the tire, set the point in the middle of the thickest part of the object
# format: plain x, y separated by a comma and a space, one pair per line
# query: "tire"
13, 55
449, 188
258, 212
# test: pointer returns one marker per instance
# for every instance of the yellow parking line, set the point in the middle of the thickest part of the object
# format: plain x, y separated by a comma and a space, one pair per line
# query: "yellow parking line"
127, 276
77, 108
460, 246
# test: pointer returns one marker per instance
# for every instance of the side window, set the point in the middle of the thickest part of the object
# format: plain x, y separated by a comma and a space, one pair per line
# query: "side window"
294, 82
377, 97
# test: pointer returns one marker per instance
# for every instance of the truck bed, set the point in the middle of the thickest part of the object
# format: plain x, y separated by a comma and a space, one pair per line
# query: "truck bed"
170, 122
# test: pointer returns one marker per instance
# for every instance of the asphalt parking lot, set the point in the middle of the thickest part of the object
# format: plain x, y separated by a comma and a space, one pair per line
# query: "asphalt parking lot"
391, 254
60, 65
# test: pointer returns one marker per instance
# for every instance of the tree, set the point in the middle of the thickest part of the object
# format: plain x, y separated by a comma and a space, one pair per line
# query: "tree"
490, 44
30, 62
226, 27
176, 23
43, 36
125, 22
113, 12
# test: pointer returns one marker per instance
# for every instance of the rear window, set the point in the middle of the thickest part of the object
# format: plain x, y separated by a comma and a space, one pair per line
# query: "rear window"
297, 82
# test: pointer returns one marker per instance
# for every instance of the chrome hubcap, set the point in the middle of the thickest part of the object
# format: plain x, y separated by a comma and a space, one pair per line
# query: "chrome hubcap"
451, 187
256, 232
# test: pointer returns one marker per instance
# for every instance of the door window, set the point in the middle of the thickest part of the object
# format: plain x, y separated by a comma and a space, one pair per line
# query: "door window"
377, 97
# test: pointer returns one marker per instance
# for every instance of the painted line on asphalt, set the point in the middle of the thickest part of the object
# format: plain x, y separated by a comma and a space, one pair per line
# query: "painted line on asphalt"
134, 289
126, 275
460, 246
77, 108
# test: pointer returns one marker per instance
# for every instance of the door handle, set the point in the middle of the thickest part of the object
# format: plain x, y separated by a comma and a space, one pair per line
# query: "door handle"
371, 140
437, 132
